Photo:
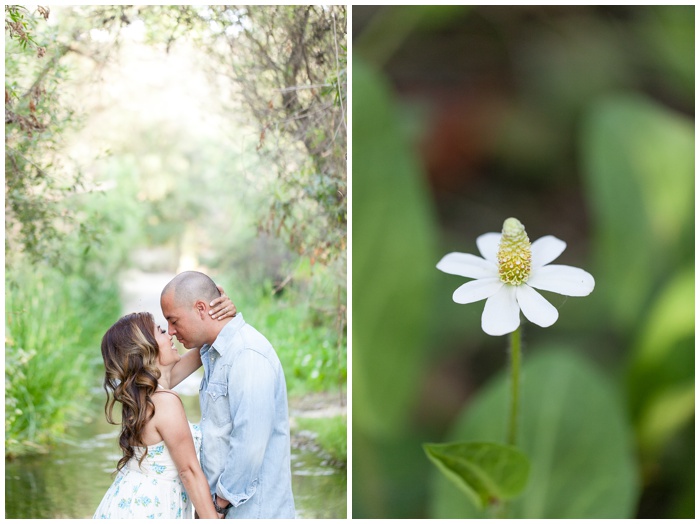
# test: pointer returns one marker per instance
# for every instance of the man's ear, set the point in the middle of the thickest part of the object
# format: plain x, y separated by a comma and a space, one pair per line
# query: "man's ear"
201, 308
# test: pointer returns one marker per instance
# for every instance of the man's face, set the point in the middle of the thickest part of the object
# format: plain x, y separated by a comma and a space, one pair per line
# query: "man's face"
183, 321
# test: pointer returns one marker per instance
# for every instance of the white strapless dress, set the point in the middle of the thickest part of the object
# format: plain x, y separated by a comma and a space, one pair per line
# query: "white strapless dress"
150, 491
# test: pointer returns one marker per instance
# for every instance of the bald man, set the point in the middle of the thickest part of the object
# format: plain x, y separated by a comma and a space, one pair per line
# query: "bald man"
245, 424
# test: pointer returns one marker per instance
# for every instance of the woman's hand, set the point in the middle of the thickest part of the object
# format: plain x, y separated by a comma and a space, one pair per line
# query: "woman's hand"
222, 307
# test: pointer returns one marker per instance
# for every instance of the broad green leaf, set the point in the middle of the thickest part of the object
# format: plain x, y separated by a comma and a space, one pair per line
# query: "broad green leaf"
487, 472
667, 411
671, 319
638, 161
663, 353
572, 429
393, 260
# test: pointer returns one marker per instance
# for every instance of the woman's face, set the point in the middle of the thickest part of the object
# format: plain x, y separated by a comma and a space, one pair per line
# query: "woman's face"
167, 354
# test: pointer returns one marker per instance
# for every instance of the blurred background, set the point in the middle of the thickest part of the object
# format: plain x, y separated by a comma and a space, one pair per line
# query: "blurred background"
579, 121
143, 141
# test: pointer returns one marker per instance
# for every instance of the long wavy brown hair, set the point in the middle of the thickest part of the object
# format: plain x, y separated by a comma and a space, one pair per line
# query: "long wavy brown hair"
130, 353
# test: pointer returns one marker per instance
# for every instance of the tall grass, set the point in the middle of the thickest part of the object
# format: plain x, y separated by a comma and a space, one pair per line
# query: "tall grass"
308, 352
302, 327
54, 324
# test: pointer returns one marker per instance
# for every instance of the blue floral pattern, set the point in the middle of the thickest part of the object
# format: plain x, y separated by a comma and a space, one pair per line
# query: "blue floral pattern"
152, 490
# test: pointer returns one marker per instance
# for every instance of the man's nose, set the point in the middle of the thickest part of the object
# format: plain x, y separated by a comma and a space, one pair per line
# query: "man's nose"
171, 330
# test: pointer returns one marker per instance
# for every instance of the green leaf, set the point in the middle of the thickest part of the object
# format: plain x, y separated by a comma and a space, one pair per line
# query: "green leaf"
661, 373
393, 260
573, 430
671, 319
639, 167
487, 472
666, 412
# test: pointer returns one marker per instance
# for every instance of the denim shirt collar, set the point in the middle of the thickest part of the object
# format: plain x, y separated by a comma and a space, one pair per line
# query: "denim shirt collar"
225, 335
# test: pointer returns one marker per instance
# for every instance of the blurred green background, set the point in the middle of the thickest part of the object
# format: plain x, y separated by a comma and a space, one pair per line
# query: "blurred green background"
579, 121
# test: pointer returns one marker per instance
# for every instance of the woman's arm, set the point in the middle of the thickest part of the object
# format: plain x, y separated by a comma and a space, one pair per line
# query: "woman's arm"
221, 308
188, 364
171, 423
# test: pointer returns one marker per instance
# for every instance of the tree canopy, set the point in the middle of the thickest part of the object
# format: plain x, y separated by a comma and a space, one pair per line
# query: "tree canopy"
284, 65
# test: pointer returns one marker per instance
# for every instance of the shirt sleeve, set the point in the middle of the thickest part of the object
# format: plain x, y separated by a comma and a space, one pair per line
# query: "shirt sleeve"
252, 405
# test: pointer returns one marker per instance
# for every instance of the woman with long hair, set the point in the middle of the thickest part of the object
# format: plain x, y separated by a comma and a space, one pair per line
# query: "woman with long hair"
159, 475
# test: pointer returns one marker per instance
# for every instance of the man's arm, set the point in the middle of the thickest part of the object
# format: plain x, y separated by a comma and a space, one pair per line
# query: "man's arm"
252, 403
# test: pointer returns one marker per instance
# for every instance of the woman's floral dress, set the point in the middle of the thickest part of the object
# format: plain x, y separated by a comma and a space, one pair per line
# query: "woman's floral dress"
153, 490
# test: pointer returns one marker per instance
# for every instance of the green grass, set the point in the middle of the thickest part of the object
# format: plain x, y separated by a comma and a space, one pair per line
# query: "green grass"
54, 324
331, 436
301, 325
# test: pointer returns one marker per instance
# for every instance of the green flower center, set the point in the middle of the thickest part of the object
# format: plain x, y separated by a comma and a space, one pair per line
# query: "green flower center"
514, 255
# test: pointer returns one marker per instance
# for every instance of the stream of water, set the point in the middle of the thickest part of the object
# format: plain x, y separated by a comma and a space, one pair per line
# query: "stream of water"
70, 481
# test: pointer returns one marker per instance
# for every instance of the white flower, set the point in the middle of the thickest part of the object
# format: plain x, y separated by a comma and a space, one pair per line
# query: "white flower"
509, 272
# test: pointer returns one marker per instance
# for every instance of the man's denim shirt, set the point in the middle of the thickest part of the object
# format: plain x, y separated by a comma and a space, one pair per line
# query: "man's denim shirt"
245, 424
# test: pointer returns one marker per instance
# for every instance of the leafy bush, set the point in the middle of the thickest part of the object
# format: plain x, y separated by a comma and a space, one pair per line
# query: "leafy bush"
54, 326
304, 321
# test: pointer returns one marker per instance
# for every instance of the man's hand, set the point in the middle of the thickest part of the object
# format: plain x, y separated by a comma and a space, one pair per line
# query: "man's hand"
222, 307
222, 503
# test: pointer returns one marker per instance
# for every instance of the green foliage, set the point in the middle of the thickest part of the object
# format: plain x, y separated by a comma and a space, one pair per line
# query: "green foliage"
488, 473
190, 192
661, 380
392, 25
574, 432
561, 115
639, 164
38, 176
290, 64
20, 23
297, 319
54, 326
393, 260
331, 434
287, 67
668, 32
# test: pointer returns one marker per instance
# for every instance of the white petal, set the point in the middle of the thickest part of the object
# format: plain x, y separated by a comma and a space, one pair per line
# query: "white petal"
488, 246
565, 280
477, 290
546, 249
466, 265
535, 307
501, 313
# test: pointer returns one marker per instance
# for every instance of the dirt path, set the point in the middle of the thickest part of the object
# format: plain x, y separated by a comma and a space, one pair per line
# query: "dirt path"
141, 292
324, 404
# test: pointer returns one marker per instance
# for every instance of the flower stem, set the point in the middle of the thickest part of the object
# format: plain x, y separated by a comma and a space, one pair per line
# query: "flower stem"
514, 386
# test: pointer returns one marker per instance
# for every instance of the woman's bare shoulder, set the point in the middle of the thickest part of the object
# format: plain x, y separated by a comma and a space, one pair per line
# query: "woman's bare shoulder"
167, 401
